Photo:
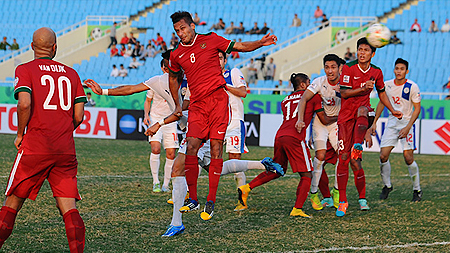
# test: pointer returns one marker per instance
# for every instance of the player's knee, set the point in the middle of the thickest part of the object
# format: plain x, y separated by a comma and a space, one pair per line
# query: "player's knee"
409, 159
343, 157
355, 165
234, 156
320, 155
156, 151
384, 158
363, 111
170, 153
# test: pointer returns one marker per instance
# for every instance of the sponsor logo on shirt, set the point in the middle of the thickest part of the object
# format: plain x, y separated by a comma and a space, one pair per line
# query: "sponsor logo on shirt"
346, 79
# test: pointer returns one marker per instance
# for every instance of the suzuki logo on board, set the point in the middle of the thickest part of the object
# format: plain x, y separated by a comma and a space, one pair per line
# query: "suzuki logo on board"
444, 133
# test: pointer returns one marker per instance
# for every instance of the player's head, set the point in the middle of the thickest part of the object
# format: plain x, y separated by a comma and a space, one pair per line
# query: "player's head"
184, 26
365, 50
165, 61
222, 59
44, 43
332, 64
401, 69
300, 81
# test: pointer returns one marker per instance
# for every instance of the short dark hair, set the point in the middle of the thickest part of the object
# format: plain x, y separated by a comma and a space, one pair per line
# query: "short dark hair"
402, 61
114, 65
297, 79
166, 55
364, 41
179, 15
223, 53
88, 93
121, 65
332, 57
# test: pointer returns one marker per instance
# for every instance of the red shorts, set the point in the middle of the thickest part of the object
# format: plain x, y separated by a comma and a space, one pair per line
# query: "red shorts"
209, 117
288, 148
345, 136
30, 171
330, 155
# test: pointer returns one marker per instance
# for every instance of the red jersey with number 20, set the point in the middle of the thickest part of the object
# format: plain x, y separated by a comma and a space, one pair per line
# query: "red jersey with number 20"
200, 62
55, 88
289, 106
353, 77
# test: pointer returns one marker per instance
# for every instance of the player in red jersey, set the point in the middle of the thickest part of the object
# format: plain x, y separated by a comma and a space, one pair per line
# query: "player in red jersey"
51, 106
290, 145
356, 82
197, 56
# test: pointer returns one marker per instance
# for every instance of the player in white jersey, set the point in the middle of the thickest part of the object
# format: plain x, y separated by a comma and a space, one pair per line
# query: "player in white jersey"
404, 95
328, 88
235, 135
157, 108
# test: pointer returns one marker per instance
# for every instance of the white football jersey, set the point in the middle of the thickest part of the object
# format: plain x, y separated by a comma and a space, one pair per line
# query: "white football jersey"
160, 108
402, 98
235, 78
329, 93
160, 84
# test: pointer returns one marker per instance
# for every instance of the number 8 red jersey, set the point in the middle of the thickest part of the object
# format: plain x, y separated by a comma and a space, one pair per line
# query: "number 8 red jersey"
55, 88
289, 106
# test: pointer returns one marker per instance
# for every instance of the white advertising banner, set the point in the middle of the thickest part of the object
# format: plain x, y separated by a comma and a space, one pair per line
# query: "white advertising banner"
269, 124
381, 126
435, 138
98, 123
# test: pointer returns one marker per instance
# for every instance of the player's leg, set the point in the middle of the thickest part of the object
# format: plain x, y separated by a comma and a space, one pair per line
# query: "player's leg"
360, 129
345, 143
235, 146
329, 198
75, 229
236, 166
413, 169
155, 161
319, 160
63, 182
191, 165
170, 140
8, 214
385, 170
360, 182
302, 194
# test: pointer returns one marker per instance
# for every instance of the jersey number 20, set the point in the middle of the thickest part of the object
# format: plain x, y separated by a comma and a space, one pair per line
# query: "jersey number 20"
65, 105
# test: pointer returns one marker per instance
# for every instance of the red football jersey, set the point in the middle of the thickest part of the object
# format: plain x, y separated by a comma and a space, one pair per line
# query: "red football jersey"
353, 77
200, 62
290, 114
55, 88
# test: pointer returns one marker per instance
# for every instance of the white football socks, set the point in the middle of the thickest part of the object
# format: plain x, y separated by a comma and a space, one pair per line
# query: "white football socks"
178, 194
235, 166
240, 179
414, 173
385, 172
316, 174
335, 177
154, 167
167, 172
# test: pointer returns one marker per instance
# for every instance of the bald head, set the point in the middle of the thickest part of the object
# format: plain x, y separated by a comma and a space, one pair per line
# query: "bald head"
44, 42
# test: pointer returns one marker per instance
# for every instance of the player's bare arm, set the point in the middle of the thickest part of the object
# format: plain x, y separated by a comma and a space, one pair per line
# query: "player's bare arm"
347, 93
385, 100
174, 85
249, 46
325, 119
23, 116
78, 114
171, 118
239, 92
147, 105
301, 109
119, 91
404, 132
378, 111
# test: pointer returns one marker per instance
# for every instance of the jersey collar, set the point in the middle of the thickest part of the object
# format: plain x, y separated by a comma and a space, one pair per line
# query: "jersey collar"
47, 58
193, 42
367, 70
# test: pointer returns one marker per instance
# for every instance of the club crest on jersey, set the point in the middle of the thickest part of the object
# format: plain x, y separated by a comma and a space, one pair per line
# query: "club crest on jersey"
226, 74
203, 46
346, 79
406, 90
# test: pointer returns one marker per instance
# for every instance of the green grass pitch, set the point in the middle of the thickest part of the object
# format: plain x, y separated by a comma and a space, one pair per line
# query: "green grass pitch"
122, 214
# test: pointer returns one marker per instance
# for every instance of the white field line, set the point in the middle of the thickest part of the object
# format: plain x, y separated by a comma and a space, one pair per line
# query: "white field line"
409, 245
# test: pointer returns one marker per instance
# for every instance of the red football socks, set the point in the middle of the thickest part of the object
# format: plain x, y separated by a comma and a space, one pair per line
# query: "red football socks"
361, 127
191, 169
215, 169
75, 230
323, 185
7, 219
263, 178
360, 182
342, 178
302, 191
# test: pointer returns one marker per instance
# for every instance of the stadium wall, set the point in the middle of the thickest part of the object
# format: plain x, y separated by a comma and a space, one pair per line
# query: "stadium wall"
431, 136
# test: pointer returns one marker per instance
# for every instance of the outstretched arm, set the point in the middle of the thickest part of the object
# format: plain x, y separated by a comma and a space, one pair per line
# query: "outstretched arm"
379, 110
119, 91
301, 109
249, 46
404, 132
385, 100
174, 85
326, 120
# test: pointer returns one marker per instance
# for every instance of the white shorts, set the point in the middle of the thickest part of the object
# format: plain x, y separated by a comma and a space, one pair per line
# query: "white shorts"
390, 138
168, 134
322, 133
235, 137
203, 154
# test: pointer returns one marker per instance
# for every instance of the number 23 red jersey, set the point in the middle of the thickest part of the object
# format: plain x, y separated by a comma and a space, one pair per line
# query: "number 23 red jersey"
200, 62
289, 106
55, 88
